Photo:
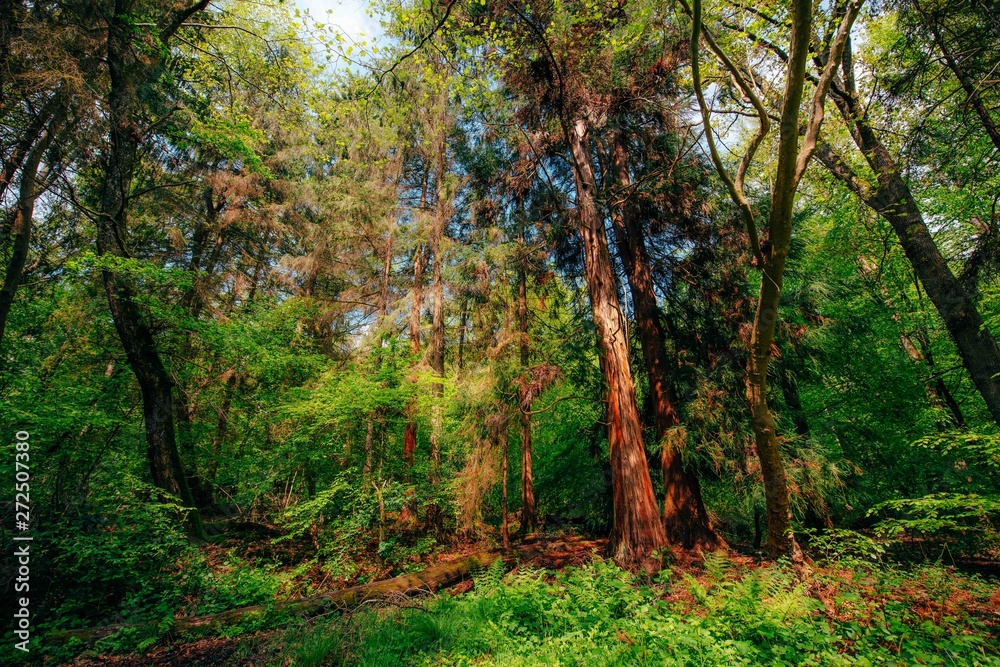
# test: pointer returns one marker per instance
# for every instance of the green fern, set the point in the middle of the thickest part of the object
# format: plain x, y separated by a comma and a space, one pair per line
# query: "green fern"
488, 579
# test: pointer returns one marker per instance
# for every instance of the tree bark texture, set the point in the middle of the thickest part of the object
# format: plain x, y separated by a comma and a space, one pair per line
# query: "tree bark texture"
684, 515
636, 526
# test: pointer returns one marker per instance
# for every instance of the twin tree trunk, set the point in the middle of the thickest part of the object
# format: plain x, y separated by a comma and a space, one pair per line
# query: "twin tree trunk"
684, 515
636, 527
119, 163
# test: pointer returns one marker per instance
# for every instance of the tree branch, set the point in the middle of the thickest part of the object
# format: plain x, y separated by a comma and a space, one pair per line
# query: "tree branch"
735, 187
170, 23
823, 86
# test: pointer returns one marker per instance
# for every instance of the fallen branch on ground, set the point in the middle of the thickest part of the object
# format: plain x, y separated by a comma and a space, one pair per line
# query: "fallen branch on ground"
433, 578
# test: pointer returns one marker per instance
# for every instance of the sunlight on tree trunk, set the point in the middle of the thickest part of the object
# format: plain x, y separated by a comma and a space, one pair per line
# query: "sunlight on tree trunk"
637, 530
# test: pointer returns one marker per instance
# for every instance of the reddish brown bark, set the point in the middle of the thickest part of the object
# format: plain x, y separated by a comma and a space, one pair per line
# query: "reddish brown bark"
684, 515
636, 528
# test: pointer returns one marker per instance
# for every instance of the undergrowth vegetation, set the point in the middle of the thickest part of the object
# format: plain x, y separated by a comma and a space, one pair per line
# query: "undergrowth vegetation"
841, 613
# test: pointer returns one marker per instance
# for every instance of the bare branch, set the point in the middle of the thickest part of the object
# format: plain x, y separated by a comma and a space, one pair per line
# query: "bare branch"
843, 172
735, 187
823, 86
419, 45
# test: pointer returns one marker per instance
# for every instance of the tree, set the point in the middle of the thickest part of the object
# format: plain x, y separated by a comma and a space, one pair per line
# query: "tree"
889, 195
556, 82
29, 190
684, 514
131, 67
771, 255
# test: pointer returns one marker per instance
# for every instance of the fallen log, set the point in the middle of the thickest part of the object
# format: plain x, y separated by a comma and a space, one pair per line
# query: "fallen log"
434, 577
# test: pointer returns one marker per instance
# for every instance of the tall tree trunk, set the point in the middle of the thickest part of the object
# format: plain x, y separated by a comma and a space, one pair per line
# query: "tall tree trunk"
505, 517
892, 199
119, 163
25, 210
441, 213
771, 255
529, 519
410, 431
636, 527
684, 515
774, 254
780, 538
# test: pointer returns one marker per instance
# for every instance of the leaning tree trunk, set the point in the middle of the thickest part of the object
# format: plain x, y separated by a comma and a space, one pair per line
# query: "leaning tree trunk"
25, 209
395, 590
892, 199
684, 515
31, 134
970, 87
636, 528
119, 163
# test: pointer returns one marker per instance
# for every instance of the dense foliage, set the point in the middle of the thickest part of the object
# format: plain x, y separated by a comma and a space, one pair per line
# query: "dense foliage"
285, 310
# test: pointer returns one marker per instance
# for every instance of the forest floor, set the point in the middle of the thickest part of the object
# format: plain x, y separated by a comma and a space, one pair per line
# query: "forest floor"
563, 604
543, 552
